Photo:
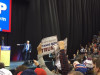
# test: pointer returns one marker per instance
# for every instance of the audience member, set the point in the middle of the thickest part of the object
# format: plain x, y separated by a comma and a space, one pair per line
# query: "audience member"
40, 71
75, 73
80, 67
4, 71
97, 67
42, 63
85, 56
63, 60
28, 72
20, 69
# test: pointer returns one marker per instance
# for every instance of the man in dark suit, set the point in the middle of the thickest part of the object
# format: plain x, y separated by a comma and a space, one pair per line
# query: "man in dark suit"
26, 50
2, 41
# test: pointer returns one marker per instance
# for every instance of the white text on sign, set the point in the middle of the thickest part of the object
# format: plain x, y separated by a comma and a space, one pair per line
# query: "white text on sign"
3, 7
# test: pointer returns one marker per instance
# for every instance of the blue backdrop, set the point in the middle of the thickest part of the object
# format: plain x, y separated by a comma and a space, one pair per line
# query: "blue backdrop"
5, 15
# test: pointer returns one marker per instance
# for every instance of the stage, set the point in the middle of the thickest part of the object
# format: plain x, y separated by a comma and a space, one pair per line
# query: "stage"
13, 65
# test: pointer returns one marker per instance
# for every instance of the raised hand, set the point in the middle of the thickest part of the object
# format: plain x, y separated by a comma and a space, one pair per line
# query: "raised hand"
39, 49
61, 45
36, 63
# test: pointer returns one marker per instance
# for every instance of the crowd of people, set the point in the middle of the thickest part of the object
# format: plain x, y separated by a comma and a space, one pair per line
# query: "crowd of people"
85, 62
88, 57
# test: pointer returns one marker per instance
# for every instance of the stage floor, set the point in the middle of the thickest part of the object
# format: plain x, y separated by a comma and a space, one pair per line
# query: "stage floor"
13, 65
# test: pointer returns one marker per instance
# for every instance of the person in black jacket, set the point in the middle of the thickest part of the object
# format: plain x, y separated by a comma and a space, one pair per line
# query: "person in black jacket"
26, 50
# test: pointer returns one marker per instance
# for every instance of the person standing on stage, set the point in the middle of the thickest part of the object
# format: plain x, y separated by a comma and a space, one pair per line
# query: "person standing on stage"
26, 50
2, 41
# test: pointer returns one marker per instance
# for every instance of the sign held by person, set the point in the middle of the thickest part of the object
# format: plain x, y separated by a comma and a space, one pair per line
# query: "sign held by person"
65, 41
48, 44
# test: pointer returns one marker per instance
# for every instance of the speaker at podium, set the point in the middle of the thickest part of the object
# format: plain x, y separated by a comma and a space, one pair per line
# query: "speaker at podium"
5, 55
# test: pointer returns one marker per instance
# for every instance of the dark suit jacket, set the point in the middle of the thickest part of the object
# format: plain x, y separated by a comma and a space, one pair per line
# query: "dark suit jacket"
24, 49
84, 58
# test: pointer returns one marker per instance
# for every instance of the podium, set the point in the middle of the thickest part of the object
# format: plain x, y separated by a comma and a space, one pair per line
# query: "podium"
5, 55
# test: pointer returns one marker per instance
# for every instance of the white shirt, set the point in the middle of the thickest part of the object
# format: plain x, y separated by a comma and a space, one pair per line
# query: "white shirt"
57, 63
82, 50
4, 71
28, 46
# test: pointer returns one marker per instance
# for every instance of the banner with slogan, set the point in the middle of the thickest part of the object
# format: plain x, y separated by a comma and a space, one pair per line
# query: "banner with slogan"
5, 15
48, 44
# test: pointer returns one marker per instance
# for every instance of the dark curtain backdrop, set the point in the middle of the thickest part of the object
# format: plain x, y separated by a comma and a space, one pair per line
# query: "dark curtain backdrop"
32, 20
